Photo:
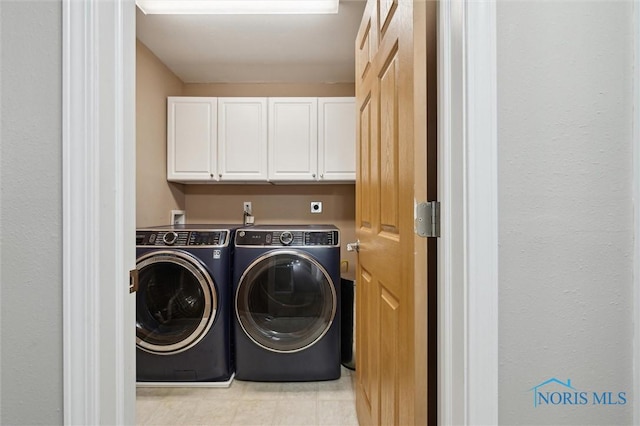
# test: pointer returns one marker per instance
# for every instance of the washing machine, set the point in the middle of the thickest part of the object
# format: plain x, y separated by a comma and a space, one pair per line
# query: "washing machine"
287, 303
183, 315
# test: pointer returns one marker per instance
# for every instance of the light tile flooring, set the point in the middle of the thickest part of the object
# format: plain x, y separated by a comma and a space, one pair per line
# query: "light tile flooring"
251, 403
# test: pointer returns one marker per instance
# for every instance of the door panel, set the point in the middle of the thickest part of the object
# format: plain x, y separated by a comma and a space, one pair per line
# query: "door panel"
365, 164
364, 314
363, 52
387, 9
389, 315
389, 186
392, 167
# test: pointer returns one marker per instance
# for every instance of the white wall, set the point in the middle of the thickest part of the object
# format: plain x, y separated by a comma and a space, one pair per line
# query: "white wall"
565, 207
31, 212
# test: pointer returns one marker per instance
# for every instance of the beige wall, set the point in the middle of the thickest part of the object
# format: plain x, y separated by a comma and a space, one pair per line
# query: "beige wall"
155, 196
276, 204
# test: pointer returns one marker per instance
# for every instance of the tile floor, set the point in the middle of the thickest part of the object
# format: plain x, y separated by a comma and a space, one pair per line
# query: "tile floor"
251, 403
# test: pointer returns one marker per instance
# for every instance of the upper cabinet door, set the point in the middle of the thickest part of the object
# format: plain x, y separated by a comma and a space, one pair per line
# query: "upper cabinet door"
242, 139
293, 139
337, 139
191, 139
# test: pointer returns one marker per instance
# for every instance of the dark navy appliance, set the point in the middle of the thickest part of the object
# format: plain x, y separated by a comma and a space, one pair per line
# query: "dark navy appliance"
183, 316
287, 303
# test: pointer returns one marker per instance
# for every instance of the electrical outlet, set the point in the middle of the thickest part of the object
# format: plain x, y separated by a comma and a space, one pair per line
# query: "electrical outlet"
178, 217
246, 207
316, 207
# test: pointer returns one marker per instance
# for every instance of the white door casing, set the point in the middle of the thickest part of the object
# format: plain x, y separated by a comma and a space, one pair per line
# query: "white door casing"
468, 263
636, 210
98, 211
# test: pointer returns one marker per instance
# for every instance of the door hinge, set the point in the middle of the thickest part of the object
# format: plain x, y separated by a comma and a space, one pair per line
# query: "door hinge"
427, 221
133, 280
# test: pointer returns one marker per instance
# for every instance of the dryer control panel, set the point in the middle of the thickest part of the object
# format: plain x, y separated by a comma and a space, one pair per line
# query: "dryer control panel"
288, 237
177, 238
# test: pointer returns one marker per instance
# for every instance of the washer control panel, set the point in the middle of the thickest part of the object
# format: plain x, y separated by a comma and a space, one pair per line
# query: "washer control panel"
216, 238
287, 238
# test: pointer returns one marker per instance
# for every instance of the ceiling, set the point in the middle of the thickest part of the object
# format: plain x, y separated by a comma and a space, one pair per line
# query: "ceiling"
256, 48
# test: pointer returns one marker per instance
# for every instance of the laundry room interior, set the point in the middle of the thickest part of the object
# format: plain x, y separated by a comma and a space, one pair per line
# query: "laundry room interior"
222, 202
289, 203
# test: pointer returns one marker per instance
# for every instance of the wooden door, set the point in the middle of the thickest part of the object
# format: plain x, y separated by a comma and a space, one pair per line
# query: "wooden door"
395, 98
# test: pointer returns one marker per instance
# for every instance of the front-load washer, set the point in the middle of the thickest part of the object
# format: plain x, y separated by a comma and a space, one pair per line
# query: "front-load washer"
287, 303
183, 320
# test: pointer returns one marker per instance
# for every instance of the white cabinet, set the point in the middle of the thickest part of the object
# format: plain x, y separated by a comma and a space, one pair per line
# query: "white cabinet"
337, 139
216, 139
261, 139
242, 139
293, 139
191, 139
312, 139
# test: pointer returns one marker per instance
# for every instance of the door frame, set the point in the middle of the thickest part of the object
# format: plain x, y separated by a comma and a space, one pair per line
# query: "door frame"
98, 201
468, 376
98, 209
636, 210
468, 191
467, 34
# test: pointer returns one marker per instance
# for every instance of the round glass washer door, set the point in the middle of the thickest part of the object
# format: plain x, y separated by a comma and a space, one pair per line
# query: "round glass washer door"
285, 301
176, 302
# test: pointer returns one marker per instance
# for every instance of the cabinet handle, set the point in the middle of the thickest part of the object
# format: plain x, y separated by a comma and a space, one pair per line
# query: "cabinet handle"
313, 175
211, 174
322, 176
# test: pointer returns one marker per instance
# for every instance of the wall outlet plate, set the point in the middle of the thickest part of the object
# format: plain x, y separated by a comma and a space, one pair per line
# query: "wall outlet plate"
178, 217
246, 207
316, 207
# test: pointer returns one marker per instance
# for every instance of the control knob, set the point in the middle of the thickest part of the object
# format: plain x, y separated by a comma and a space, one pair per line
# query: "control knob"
170, 238
286, 238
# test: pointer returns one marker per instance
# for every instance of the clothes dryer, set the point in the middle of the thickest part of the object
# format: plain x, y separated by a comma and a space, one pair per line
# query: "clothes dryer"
287, 303
183, 320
